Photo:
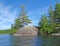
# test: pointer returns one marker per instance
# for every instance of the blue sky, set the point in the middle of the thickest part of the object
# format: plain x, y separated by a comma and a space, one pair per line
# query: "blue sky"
10, 9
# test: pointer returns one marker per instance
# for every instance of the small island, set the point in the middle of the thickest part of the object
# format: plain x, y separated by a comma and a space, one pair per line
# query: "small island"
49, 24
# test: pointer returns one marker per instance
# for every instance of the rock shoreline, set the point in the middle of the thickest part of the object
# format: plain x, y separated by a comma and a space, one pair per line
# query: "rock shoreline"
56, 34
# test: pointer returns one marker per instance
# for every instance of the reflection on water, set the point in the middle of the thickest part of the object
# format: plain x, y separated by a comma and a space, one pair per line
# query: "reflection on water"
51, 41
9, 40
27, 41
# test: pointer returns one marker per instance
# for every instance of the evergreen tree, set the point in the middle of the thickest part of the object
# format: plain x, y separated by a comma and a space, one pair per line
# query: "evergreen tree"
51, 15
21, 20
57, 13
43, 24
51, 18
23, 17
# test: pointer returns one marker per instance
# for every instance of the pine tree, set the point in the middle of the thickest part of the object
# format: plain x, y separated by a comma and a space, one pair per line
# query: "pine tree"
51, 15
57, 13
51, 18
43, 24
22, 19
23, 16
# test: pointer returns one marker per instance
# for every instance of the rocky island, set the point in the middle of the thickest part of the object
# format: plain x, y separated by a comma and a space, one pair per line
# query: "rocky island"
26, 31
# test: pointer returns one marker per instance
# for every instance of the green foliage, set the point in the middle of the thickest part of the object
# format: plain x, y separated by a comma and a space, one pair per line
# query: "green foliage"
21, 20
8, 31
51, 19
17, 23
57, 13
23, 16
53, 23
51, 15
5, 31
44, 26
57, 17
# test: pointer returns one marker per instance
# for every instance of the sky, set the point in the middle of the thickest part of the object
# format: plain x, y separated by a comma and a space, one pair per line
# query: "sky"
10, 9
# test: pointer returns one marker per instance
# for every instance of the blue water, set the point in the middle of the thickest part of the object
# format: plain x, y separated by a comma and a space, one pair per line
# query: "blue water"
9, 40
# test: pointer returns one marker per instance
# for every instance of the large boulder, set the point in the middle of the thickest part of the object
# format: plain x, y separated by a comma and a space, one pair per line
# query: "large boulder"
26, 30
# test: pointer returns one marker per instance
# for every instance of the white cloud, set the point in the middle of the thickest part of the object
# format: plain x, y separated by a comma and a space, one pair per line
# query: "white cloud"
7, 16
35, 15
33, 23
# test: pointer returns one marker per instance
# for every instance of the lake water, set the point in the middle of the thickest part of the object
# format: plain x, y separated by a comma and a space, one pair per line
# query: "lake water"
9, 40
